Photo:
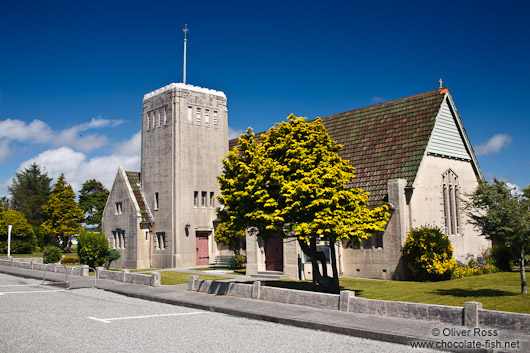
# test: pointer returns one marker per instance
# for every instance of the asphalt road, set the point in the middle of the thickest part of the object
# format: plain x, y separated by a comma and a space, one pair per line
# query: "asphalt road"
38, 318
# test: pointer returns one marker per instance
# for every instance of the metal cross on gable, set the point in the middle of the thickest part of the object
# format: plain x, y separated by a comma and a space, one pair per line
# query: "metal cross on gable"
441, 83
185, 30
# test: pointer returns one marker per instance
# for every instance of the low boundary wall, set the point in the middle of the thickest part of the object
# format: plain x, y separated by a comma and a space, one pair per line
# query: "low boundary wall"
126, 276
122, 276
471, 315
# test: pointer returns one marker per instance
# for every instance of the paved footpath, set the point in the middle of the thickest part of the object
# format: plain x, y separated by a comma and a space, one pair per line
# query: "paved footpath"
383, 328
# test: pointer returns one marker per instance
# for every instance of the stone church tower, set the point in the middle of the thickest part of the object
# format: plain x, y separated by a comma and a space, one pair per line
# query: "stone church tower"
164, 216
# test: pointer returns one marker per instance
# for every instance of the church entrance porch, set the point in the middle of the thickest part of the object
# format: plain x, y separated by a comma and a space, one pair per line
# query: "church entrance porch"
274, 254
201, 253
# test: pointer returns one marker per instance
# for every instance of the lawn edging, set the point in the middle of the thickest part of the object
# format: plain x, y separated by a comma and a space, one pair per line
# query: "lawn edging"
471, 315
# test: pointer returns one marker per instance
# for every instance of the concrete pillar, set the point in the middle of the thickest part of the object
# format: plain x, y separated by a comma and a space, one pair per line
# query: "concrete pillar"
398, 200
290, 258
155, 279
124, 274
344, 299
252, 253
471, 318
256, 290
192, 282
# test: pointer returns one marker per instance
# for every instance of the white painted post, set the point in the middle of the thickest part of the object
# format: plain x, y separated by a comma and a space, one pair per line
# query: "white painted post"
9, 227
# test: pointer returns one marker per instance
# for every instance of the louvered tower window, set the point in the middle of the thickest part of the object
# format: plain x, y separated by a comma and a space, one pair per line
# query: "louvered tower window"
451, 203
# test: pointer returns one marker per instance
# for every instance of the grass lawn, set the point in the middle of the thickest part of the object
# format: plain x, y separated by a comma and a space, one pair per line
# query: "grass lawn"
241, 271
496, 291
173, 277
37, 254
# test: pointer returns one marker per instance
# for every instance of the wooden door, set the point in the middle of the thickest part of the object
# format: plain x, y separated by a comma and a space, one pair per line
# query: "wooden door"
201, 253
274, 254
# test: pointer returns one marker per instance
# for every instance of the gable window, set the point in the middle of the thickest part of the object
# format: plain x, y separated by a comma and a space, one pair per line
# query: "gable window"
451, 203
118, 236
190, 115
119, 208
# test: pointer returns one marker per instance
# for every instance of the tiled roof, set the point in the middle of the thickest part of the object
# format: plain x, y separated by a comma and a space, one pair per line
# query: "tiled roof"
384, 141
134, 181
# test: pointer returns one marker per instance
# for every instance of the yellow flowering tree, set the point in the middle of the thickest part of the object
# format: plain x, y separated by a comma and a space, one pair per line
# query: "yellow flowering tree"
292, 184
429, 254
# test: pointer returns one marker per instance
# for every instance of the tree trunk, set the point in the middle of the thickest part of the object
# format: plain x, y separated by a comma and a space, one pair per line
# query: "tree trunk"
316, 256
523, 273
335, 287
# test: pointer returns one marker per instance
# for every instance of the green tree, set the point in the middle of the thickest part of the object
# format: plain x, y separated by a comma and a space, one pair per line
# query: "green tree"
29, 192
92, 249
503, 218
22, 235
63, 214
92, 199
292, 184
4, 202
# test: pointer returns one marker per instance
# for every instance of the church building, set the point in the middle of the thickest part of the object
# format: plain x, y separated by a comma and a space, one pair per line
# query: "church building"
412, 154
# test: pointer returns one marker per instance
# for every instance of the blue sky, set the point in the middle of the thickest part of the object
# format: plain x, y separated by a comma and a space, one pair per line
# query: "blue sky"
73, 73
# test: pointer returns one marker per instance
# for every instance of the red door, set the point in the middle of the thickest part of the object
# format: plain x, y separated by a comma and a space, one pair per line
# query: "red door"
274, 254
201, 254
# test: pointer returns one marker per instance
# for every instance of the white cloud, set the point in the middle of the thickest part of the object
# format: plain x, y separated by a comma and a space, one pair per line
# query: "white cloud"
377, 100
515, 189
4, 150
78, 168
38, 132
234, 133
494, 144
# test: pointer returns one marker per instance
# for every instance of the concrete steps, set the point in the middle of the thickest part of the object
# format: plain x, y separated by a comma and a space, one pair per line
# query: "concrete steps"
269, 275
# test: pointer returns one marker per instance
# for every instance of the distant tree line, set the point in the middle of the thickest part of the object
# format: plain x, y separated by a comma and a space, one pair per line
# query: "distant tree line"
43, 215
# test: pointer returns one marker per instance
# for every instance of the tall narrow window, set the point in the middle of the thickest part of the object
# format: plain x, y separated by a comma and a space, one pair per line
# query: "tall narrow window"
156, 201
212, 199
450, 203
159, 113
207, 117
215, 118
148, 121
198, 116
203, 199
195, 198
164, 115
119, 209
161, 240
190, 115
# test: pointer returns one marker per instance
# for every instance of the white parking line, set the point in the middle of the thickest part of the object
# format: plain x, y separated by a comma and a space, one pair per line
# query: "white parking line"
34, 291
107, 321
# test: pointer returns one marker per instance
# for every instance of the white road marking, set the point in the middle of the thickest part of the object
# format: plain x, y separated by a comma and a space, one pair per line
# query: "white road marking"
19, 285
107, 321
34, 291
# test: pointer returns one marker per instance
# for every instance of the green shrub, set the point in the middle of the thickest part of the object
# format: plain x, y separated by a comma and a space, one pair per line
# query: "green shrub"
22, 234
429, 254
502, 258
112, 255
240, 261
92, 248
52, 254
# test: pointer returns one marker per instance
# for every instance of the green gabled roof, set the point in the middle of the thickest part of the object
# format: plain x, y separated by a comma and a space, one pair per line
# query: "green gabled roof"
134, 182
386, 141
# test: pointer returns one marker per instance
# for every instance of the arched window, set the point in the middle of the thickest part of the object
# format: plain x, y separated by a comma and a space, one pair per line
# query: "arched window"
451, 203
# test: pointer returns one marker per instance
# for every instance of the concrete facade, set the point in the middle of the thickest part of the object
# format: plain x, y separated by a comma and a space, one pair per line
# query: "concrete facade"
184, 138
